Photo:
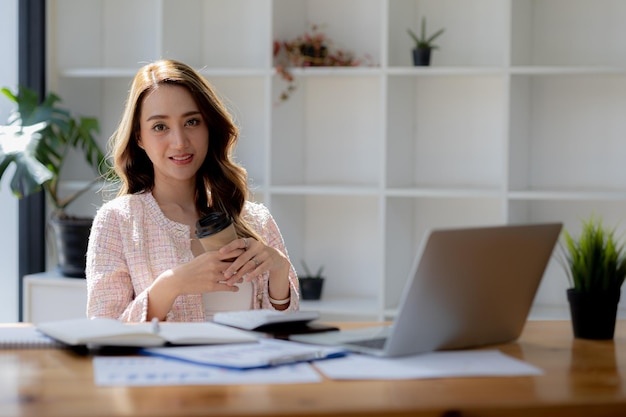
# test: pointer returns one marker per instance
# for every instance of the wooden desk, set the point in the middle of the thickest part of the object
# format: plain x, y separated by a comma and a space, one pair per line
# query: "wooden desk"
582, 378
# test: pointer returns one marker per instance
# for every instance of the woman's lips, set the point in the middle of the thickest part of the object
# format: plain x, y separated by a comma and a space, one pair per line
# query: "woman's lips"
182, 159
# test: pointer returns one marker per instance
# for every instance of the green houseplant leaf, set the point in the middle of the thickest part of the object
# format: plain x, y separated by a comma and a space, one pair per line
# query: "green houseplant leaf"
595, 262
309, 273
18, 146
37, 140
423, 41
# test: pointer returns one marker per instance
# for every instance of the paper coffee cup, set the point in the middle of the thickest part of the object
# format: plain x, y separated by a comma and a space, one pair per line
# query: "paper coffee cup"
215, 230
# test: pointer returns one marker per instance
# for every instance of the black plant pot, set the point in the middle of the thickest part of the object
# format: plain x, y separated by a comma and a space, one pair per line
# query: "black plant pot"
311, 288
593, 314
314, 56
421, 57
71, 238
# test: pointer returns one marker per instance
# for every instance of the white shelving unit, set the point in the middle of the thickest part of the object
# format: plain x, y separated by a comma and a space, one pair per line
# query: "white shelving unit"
520, 118
48, 296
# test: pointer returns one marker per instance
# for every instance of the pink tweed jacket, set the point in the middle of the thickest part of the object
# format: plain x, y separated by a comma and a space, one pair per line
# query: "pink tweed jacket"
132, 243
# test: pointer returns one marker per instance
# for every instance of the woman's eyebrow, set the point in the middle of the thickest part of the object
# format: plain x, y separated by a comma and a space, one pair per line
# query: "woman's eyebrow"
161, 116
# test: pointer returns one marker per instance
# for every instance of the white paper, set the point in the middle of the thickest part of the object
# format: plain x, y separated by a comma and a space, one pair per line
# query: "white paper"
267, 352
152, 371
444, 364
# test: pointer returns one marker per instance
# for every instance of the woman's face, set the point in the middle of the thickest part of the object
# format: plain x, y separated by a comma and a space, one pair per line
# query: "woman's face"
173, 134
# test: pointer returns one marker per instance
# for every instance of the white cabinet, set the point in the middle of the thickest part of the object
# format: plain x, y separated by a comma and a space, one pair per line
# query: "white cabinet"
48, 296
520, 118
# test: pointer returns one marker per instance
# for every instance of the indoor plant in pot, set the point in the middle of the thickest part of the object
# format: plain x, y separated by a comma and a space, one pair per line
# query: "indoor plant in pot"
311, 285
596, 267
423, 44
313, 48
37, 140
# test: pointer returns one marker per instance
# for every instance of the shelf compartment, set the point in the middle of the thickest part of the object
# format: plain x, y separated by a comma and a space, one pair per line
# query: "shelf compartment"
567, 133
218, 33
105, 26
408, 220
582, 25
328, 133
464, 148
94, 97
351, 25
341, 233
473, 36
245, 98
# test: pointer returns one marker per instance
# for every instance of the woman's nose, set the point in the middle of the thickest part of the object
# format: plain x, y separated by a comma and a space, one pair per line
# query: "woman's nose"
179, 138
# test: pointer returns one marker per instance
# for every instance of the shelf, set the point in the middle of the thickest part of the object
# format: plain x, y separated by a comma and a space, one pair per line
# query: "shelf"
446, 71
336, 72
348, 306
558, 195
563, 70
520, 118
129, 73
50, 296
434, 192
321, 190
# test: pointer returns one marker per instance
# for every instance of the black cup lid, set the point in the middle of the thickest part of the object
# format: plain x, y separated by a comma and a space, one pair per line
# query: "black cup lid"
212, 223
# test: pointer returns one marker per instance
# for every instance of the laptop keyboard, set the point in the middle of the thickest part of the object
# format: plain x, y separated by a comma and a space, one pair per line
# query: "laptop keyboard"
377, 343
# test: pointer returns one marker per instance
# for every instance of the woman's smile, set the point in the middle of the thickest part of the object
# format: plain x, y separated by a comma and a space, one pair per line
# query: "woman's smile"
183, 159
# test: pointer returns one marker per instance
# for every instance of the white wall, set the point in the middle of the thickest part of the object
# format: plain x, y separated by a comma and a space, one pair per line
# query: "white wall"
8, 203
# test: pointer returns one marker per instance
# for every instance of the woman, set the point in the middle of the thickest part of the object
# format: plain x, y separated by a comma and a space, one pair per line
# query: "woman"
172, 151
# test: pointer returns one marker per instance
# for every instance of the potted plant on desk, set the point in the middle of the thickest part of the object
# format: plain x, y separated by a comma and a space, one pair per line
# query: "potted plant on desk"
311, 285
37, 141
596, 267
423, 45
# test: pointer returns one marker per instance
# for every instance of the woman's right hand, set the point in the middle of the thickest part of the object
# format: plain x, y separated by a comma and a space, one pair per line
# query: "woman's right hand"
204, 273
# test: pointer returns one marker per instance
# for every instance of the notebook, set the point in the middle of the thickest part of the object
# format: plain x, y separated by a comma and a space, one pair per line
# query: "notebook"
278, 324
259, 319
468, 287
111, 332
25, 337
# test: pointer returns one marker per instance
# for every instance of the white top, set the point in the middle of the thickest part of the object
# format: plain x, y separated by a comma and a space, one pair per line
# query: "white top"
214, 302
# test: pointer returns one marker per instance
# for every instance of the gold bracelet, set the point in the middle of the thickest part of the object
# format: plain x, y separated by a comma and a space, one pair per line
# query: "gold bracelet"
279, 302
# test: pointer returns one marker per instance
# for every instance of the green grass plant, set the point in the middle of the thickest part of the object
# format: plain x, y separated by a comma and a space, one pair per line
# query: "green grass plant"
595, 262
423, 41
309, 273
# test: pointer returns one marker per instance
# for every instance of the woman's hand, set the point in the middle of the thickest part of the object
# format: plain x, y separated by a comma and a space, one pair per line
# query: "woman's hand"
253, 259
204, 273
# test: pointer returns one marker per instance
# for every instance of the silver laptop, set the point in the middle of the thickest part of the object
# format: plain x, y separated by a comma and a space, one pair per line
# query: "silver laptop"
468, 287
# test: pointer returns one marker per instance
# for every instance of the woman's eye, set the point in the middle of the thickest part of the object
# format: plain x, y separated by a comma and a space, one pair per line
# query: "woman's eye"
159, 127
193, 122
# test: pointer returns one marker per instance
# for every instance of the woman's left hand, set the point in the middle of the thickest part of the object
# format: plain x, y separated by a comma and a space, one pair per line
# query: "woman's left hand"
256, 259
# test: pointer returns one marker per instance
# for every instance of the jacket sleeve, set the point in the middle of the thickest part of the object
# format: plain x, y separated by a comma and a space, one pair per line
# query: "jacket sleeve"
264, 224
110, 290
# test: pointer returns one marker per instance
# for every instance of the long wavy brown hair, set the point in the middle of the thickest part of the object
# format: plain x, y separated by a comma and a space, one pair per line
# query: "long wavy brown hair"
221, 183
